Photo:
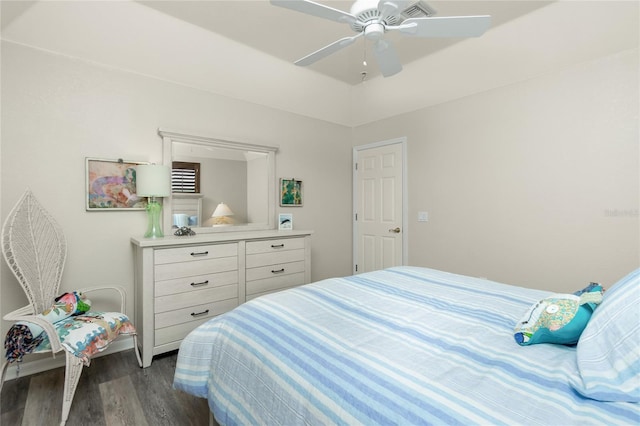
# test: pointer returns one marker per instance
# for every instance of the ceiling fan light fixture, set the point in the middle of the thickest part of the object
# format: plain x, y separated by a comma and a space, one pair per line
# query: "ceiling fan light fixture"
374, 31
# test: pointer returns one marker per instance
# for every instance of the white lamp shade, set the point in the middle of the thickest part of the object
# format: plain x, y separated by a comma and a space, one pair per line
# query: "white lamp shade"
153, 180
222, 210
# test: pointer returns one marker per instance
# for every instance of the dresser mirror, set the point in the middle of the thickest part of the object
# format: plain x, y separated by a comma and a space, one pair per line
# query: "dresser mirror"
236, 192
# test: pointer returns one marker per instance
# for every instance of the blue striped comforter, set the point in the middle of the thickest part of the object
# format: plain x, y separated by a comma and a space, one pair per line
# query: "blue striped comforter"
403, 346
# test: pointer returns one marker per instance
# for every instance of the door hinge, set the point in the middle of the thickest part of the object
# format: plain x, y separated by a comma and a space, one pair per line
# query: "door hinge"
356, 217
356, 268
356, 164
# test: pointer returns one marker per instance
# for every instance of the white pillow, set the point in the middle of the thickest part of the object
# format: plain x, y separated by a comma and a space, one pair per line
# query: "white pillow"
608, 351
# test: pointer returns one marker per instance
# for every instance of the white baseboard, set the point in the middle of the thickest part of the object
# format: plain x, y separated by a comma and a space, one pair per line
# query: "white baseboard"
28, 368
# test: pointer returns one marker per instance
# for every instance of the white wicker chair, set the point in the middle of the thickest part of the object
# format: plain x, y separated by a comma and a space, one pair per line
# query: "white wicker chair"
35, 249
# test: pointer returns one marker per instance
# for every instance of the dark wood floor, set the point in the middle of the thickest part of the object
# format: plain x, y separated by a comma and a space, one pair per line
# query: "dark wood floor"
112, 391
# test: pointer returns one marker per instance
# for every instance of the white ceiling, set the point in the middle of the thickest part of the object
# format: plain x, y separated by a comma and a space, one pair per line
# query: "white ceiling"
290, 35
245, 49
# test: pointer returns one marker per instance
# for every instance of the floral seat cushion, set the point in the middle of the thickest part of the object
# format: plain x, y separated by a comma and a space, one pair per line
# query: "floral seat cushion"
86, 335
82, 333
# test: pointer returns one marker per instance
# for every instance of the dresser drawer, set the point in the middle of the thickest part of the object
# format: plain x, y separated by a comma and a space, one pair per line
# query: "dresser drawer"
196, 282
265, 259
191, 269
269, 285
179, 330
193, 298
194, 313
274, 271
195, 253
270, 246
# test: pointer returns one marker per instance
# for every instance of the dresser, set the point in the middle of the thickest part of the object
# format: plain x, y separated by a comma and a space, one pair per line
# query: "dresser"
181, 282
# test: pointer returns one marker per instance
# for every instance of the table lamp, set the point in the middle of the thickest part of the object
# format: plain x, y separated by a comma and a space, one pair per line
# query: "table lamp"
220, 215
153, 180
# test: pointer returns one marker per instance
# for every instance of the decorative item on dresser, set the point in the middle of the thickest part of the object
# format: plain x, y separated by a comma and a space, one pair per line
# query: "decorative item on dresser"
154, 180
285, 221
181, 283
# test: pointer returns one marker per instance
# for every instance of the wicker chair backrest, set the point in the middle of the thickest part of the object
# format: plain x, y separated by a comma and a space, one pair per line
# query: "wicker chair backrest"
35, 249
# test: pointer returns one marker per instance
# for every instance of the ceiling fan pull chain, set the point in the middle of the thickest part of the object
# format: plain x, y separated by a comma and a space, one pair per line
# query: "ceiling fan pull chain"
364, 60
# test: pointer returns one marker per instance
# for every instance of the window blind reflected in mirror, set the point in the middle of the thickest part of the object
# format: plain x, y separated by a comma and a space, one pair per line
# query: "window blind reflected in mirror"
185, 177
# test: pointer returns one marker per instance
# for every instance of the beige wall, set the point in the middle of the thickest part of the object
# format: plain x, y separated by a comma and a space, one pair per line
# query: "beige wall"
536, 183
56, 111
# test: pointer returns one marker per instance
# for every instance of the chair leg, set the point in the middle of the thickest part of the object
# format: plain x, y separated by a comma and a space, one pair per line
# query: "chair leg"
3, 372
136, 348
71, 378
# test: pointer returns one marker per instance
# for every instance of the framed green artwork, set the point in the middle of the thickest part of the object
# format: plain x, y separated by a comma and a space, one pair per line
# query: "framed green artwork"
290, 193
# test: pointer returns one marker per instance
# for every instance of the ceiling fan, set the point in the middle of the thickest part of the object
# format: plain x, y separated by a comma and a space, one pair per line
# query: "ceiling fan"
372, 18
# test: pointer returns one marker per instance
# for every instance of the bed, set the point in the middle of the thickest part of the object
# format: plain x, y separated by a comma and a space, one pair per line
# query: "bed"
410, 346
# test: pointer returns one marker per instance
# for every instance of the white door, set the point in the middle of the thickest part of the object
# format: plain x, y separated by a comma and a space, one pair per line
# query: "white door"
379, 206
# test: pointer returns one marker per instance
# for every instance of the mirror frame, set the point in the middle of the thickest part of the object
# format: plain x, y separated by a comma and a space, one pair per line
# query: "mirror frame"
168, 137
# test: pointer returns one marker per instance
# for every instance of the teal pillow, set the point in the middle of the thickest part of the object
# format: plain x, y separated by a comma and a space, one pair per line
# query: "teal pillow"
559, 318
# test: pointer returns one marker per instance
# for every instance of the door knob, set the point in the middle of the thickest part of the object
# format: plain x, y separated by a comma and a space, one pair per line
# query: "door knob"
395, 230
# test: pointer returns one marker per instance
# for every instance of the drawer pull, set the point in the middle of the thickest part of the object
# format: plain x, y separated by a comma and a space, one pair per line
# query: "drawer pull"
277, 271
277, 245
201, 253
200, 283
198, 314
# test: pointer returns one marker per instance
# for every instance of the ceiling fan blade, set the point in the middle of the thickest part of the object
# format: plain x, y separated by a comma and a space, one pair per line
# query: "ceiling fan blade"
387, 58
327, 50
391, 7
316, 9
445, 26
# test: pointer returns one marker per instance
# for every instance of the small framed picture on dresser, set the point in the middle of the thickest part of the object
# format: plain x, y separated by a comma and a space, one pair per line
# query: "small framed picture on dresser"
285, 222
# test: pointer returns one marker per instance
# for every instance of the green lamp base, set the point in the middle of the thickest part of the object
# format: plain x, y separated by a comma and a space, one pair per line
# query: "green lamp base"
153, 212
